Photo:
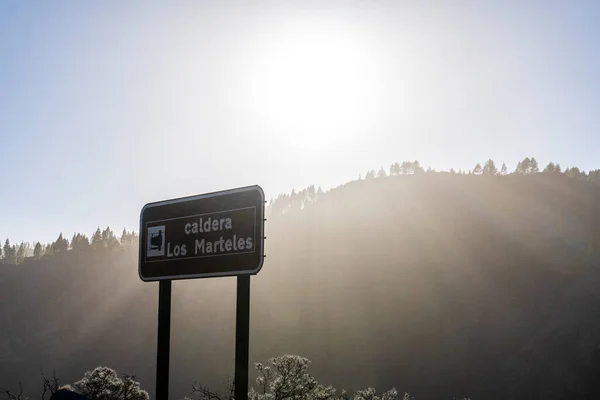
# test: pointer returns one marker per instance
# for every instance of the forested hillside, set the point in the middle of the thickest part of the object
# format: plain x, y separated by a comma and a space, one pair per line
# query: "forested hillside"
477, 283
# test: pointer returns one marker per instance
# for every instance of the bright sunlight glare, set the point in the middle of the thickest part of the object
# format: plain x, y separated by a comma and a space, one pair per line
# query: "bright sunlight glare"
314, 88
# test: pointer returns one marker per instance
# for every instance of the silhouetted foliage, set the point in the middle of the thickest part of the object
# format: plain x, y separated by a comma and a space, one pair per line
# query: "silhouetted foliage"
489, 168
37, 251
550, 168
103, 383
60, 245
80, 243
96, 242
286, 378
9, 253
533, 166
21, 251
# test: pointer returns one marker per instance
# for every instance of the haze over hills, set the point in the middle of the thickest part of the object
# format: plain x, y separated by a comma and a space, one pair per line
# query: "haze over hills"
440, 284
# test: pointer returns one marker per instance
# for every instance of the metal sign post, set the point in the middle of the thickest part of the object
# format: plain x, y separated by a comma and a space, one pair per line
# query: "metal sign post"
163, 345
210, 235
242, 337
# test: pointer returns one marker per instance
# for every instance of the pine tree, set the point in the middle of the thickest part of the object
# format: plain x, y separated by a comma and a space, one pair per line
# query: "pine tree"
7, 253
37, 251
381, 173
61, 244
526, 165
21, 253
478, 170
503, 170
573, 172
416, 167
405, 167
124, 238
97, 240
489, 168
80, 243
550, 168
533, 166
519, 169
109, 241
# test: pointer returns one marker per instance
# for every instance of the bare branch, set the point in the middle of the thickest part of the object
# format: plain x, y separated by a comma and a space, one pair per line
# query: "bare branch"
8, 395
204, 393
49, 385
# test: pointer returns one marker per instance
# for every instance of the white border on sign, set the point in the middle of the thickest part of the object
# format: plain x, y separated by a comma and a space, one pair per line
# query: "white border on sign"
260, 236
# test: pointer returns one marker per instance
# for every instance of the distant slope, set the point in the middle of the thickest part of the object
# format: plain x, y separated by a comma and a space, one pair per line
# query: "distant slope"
442, 285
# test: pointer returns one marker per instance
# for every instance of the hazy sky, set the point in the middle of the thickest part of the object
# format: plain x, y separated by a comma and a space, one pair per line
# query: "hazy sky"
108, 105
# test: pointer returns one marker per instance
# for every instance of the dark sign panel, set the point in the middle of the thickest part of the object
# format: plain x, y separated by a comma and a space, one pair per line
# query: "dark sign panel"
215, 234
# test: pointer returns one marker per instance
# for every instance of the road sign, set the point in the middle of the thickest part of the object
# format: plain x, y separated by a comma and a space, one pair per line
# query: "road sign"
214, 234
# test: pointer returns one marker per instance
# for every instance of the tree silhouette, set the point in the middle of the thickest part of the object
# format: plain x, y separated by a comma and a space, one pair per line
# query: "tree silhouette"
519, 168
21, 253
287, 378
10, 253
533, 166
574, 172
503, 170
61, 244
8, 395
125, 238
102, 383
50, 385
478, 170
489, 168
550, 168
80, 243
96, 243
416, 167
525, 165
406, 167
49, 250
37, 251
557, 168
109, 240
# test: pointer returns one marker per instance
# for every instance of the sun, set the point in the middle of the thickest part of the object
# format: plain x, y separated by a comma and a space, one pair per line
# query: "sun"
315, 88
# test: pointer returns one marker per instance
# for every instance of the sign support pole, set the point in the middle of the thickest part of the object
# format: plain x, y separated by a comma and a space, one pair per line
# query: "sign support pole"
163, 340
242, 337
